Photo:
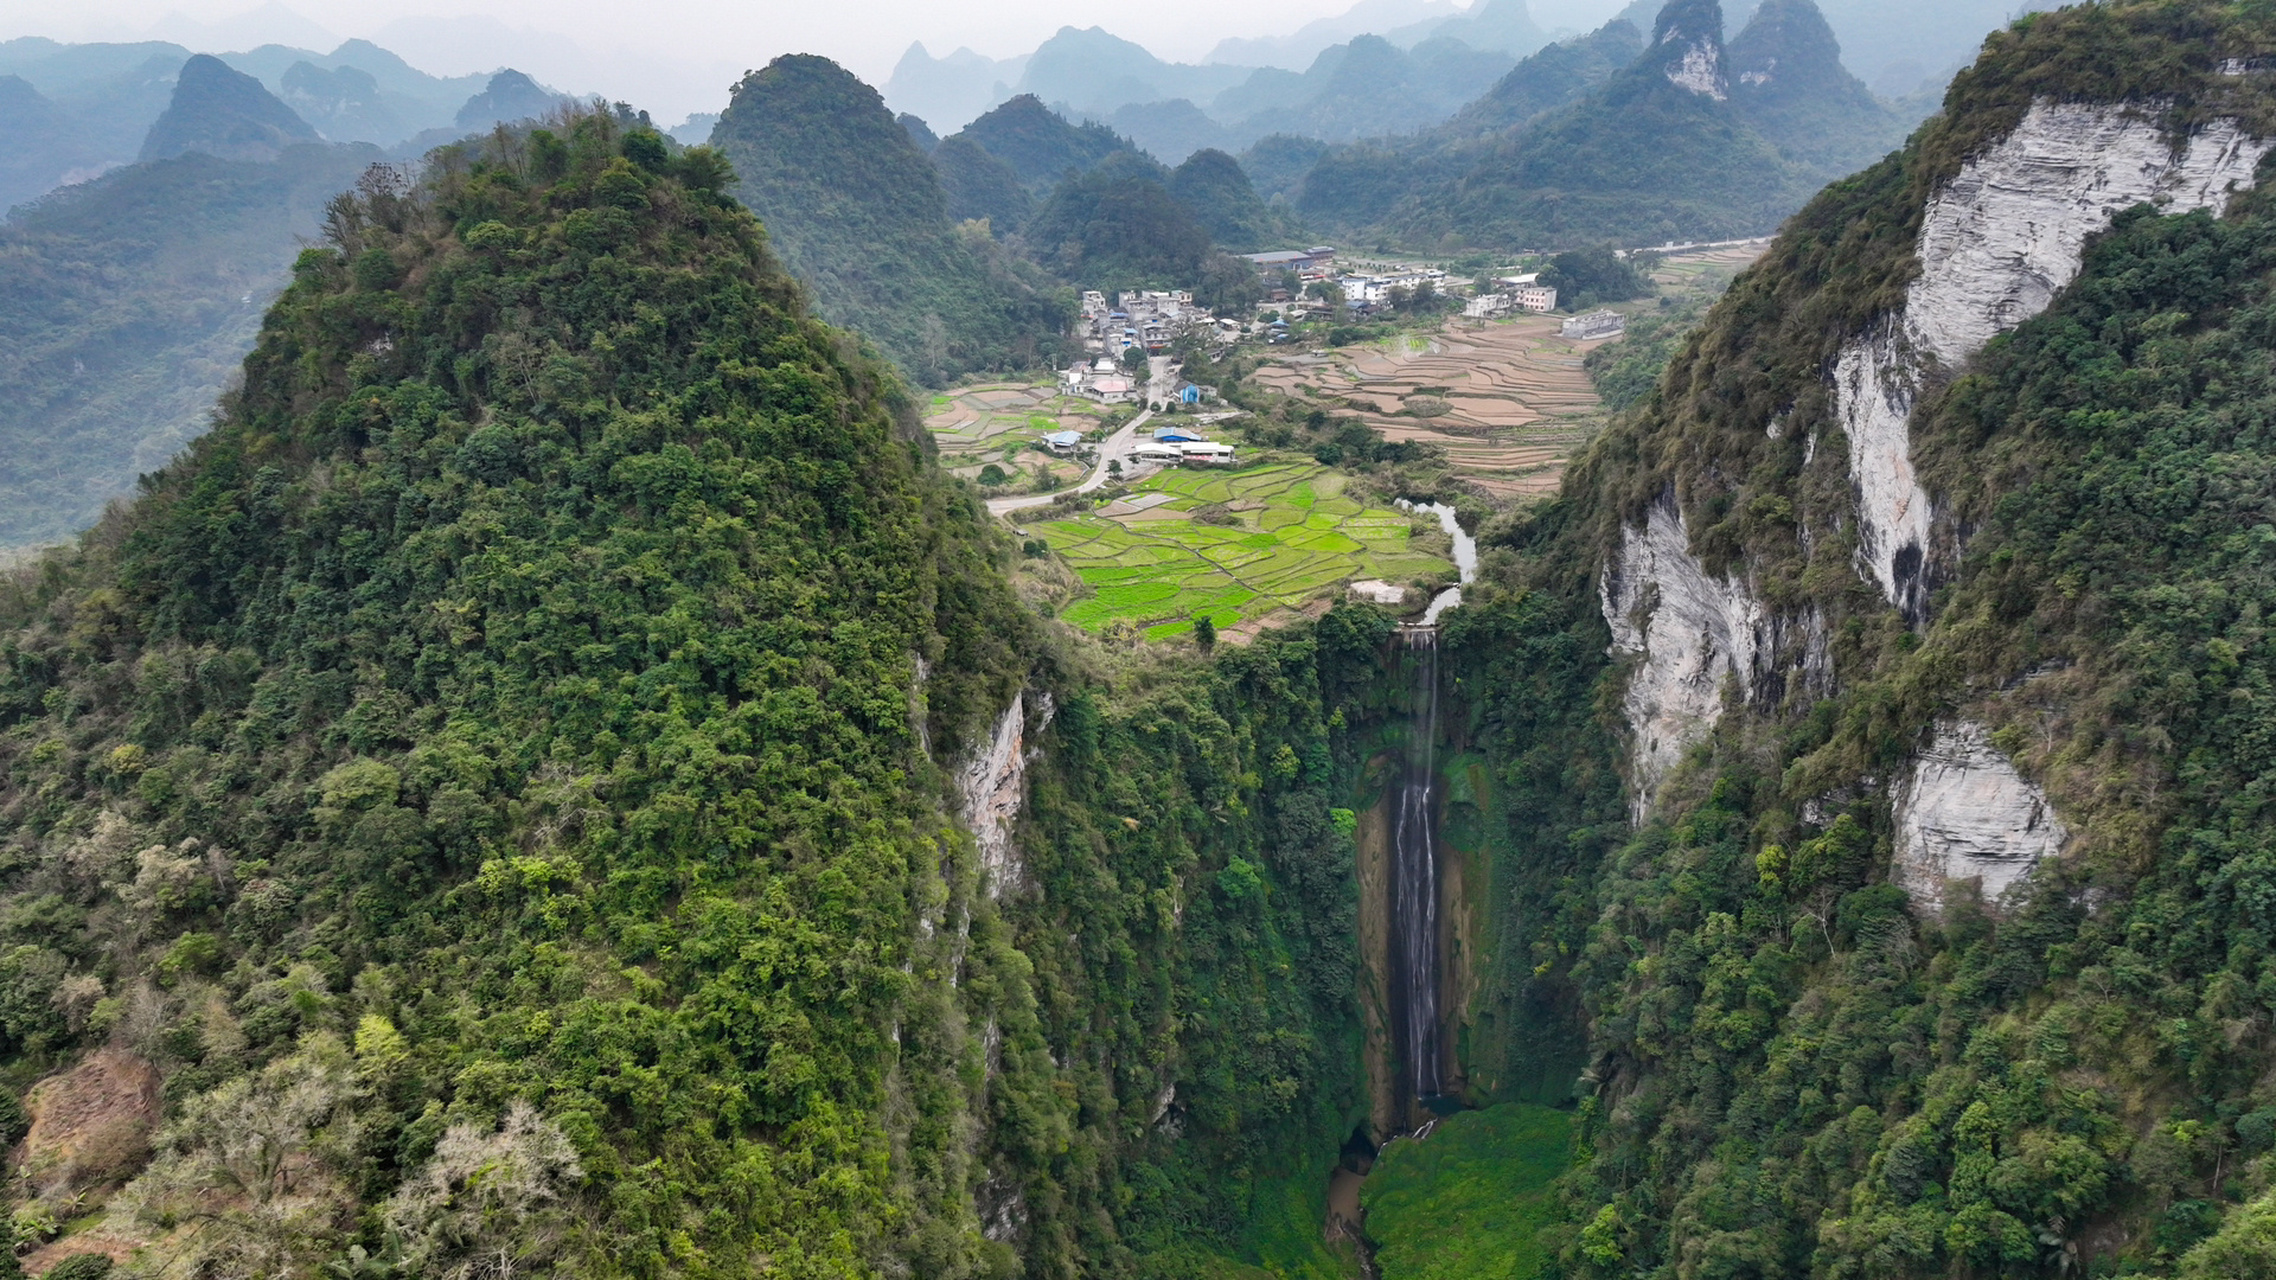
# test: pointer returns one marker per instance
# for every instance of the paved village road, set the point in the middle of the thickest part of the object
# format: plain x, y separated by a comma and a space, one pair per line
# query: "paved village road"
1117, 446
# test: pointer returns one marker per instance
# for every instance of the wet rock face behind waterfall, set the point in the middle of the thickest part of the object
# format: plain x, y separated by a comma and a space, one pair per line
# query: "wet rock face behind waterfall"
1417, 1028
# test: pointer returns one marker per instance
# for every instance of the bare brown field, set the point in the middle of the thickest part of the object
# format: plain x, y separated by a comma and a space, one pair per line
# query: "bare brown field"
1507, 400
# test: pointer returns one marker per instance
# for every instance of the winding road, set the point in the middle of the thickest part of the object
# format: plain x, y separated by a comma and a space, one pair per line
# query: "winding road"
1117, 446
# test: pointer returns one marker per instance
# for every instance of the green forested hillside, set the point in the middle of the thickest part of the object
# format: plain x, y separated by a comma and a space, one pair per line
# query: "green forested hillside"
1039, 145
223, 113
1214, 189
857, 211
504, 769
1550, 79
132, 299
1640, 160
46, 143
977, 185
1787, 77
1119, 227
1797, 1071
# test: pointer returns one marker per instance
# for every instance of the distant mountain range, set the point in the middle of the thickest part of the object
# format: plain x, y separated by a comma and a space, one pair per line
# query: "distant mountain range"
1381, 68
70, 111
1615, 137
134, 290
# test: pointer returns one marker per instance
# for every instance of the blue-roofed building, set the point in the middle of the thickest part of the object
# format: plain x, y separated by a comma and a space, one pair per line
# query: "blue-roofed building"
1178, 435
1064, 441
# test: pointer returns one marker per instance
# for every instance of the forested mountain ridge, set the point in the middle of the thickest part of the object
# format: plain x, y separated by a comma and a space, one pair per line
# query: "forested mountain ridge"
225, 114
858, 212
1932, 940
507, 767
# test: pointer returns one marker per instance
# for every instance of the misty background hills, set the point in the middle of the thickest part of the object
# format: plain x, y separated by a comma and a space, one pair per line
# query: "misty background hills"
1425, 58
160, 194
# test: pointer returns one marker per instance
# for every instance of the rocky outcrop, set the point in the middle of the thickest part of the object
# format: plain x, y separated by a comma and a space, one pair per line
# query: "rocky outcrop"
2010, 231
1689, 34
1689, 631
1875, 386
993, 787
1964, 813
1996, 245
1700, 70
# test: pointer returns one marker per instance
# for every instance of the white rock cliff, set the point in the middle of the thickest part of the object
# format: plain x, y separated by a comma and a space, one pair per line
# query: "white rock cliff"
1964, 813
1996, 245
993, 787
1691, 631
1700, 70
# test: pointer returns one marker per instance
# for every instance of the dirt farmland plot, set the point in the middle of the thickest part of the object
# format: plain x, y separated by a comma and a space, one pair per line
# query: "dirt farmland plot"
998, 422
1507, 400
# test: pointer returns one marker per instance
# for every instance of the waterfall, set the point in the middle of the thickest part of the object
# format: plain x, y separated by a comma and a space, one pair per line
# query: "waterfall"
1414, 885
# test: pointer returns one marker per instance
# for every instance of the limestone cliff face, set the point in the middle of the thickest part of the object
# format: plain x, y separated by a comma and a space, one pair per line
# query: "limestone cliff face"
1691, 35
1997, 244
1963, 813
1998, 240
993, 788
1689, 633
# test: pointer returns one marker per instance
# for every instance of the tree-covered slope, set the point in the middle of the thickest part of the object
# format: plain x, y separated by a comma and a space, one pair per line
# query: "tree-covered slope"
1660, 152
857, 211
1547, 80
1601, 137
132, 299
497, 790
1216, 191
978, 185
1039, 144
1817, 1051
225, 114
1787, 79
44, 143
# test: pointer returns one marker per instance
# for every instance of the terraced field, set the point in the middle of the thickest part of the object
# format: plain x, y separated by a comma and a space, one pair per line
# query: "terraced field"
997, 422
1297, 539
1508, 400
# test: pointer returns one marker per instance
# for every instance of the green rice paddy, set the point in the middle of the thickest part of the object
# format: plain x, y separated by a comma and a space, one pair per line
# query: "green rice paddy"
1298, 538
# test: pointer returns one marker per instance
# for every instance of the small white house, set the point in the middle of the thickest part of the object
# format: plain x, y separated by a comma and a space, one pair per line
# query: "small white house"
1537, 298
1595, 325
1205, 453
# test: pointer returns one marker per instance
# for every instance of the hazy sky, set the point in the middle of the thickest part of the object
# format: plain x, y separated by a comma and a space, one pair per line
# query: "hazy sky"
677, 56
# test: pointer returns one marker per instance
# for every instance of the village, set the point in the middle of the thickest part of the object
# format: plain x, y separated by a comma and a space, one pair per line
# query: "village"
1132, 486
1127, 339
